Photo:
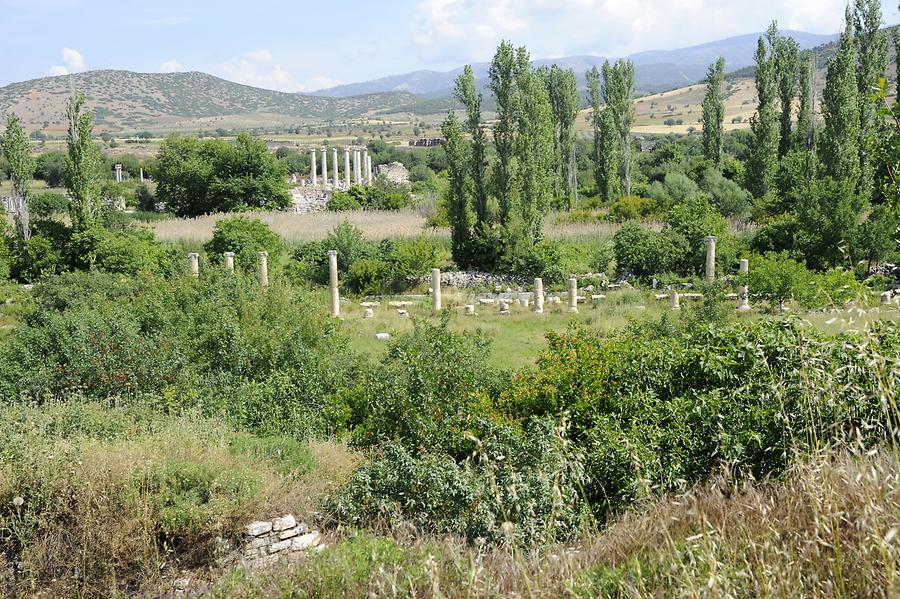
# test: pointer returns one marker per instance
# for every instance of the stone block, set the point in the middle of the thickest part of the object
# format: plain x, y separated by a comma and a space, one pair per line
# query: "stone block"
305, 541
284, 523
280, 546
258, 542
254, 529
382, 336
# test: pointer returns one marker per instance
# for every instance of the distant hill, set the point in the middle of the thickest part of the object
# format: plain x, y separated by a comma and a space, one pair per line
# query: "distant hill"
124, 101
655, 71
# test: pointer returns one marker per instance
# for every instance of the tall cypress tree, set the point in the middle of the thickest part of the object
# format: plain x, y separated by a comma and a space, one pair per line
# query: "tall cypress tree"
840, 147
467, 94
764, 126
534, 149
623, 113
787, 55
83, 161
713, 112
872, 58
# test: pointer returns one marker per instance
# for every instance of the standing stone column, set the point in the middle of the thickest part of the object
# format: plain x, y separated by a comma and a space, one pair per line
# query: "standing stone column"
337, 176
118, 173
194, 263
264, 269
229, 260
333, 284
538, 296
744, 305
435, 290
711, 258
347, 166
357, 168
312, 168
365, 166
324, 166
369, 169
674, 300
142, 175
573, 295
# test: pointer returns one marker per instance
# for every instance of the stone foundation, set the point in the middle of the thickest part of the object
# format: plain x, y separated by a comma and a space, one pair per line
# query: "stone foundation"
266, 542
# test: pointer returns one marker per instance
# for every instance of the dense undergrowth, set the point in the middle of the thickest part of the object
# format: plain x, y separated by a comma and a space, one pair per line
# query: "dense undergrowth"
148, 416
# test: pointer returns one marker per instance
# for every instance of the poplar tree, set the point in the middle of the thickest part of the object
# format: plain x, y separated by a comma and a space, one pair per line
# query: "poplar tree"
534, 150
872, 59
594, 100
763, 163
609, 181
501, 74
713, 112
804, 137
83, 162
21, 168
840, 144
459, 192
468, 95
623, 112
562, 87
787, 55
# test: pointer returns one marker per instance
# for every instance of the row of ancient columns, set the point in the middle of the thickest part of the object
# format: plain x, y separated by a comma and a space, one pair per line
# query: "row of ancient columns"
361, 173
262, 271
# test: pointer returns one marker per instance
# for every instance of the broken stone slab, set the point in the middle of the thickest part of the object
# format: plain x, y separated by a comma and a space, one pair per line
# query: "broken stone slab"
598, 297
486, 301
289, 533
382, 336
370, 304
305, 541
284, 523
368, 313
404, 313
255, 529
280, 546
400, 304
470, 309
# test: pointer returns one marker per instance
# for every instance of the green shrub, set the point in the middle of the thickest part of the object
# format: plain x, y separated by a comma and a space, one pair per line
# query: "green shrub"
368, 276
47, 204
36, 260
644, 252
131, 252
778, 278
246, 237
343, 202
729, 198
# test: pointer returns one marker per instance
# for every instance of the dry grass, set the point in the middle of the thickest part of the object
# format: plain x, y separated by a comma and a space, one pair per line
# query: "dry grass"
828, 530
293, 227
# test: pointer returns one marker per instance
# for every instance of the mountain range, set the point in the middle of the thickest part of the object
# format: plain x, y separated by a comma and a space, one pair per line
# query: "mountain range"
126, 102
655, 70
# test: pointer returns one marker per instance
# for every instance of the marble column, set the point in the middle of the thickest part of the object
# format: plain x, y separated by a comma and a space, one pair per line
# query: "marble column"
435, 290
357, 168
538, 296
711, 258
347, 167
369, 170
194, 263
264, 269
229, 260
674, 300
744, 305
333, 284
313, 175
324, 166
365, 166
573, 295
334, 160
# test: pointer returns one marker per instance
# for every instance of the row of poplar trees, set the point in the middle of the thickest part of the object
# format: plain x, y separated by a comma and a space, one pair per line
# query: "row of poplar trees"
817, 179
498, 199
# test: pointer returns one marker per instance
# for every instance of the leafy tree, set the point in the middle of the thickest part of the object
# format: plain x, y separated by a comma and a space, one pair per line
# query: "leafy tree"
594, 99
204, 176
534, 152
694, 220
21, 169
787, 57
83, 162
246, 237
779, 278
460, 190
502, 75
872, 60
562, 87
729, 198
466, 93
829, 213
840, 145
804, 136
764, 125
713, 112
51, 168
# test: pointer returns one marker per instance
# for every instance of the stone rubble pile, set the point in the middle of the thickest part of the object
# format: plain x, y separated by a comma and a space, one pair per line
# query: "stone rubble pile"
266, 542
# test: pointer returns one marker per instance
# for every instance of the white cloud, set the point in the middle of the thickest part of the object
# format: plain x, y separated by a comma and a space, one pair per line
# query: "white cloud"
259, 68
73, 62
453, 30
316, 83
171, 66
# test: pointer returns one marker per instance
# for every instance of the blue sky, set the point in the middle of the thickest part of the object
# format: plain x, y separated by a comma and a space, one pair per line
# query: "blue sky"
302, 45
